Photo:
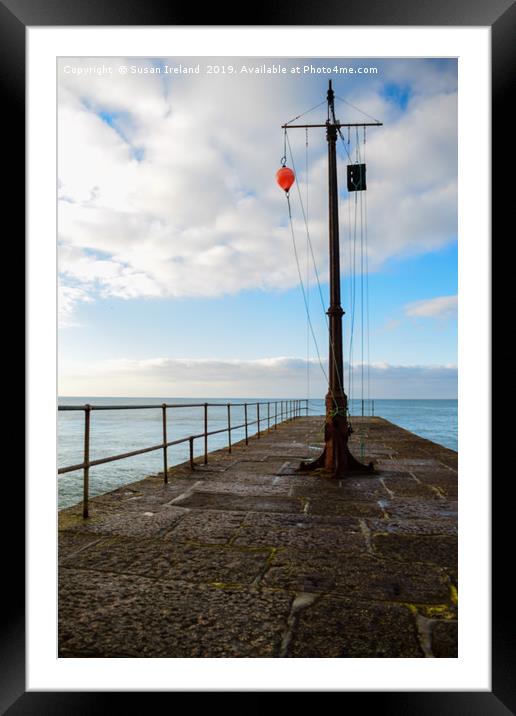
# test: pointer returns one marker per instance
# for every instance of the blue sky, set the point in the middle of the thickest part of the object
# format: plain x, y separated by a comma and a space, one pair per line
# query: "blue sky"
174, 250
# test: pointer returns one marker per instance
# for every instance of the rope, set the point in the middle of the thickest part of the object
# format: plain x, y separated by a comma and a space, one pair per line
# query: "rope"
332, 347
367, 292
361, 292
350, 279
357, 108
303, 114
307, 273
363, 221
344, 142
364, 270
307, 230
353, 300
303, 288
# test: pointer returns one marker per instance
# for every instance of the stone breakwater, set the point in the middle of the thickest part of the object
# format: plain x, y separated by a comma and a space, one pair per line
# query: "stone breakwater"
244, 557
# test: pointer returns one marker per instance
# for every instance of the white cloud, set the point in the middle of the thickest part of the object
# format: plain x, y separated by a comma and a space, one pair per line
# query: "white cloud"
440, 307
267, 377
200, 214
68, 296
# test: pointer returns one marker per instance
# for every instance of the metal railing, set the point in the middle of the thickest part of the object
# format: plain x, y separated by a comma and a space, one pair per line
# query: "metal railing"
288, 410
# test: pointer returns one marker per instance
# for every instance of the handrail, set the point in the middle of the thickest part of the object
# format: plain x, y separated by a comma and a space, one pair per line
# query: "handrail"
289, 409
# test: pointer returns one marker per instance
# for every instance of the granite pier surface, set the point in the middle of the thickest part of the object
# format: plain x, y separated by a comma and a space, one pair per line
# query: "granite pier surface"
245, 557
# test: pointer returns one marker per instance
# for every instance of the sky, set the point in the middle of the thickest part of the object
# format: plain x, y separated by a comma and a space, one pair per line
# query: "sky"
177, 270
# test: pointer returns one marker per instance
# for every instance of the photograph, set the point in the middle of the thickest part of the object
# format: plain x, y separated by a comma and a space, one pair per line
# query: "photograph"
257, 357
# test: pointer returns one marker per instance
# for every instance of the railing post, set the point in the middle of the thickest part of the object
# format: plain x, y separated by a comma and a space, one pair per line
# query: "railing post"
205, 433
258, 417
245, 420
276, 415
229, 426
86, 474
190, 440
165, 467
268, 417
306, 401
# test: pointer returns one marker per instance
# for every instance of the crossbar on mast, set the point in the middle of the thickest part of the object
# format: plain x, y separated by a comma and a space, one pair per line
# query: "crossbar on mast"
337, 125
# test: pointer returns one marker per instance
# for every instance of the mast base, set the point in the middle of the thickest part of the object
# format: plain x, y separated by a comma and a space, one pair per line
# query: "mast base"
336, 459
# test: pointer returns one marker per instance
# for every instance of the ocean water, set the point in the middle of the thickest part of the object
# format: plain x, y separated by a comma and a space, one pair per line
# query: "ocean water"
119, 431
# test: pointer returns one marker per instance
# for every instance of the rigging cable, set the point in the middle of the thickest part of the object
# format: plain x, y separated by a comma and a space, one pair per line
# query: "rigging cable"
332, 347
350, 242
363, 241
341, 99
361, 293
307, 274
303, 113
353, 248
307, 230
303, 287
363, 221
368, 355
353, 282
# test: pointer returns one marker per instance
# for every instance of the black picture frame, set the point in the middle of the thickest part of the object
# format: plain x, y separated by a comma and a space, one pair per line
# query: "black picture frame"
15, 17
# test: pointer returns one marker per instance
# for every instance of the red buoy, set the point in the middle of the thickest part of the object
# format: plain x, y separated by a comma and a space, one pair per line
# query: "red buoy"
285, 178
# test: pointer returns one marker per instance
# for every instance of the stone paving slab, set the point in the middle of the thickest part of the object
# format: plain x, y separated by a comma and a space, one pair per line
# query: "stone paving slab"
442, 526
115, 615
345, 628
434, 509
350, 573
430, 549
144, 522
246, 557
234, 501
444, 639
206, 527
170, 561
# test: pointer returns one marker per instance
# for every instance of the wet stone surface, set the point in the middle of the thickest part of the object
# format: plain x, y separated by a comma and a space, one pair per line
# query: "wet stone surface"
246, 557
347, 572
444, 526
350, 629
148, 521
410, 508
111, 615
301, 536
226, 501
166, 560
430, 549
206, 527
444, 639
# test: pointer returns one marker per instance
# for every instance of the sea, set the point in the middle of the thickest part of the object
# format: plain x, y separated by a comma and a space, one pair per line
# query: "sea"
114, 432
